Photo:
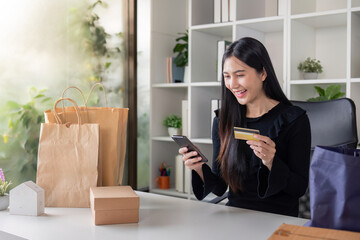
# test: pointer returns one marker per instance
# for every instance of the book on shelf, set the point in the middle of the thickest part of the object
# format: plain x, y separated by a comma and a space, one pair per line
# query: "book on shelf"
232, 10
179, 174
221, 47
185, 117
225, 10
215, 104
217, 11
174, 74
281, 7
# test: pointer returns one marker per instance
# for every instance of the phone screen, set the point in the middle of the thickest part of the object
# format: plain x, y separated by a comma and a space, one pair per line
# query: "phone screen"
183, 141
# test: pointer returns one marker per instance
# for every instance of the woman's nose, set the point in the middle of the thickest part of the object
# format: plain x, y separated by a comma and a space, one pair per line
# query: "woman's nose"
233, 82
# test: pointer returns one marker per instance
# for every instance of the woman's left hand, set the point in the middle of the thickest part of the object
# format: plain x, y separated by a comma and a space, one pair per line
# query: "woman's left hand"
263, 149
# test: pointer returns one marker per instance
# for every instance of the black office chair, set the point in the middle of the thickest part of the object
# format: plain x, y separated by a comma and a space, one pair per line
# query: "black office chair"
332, 123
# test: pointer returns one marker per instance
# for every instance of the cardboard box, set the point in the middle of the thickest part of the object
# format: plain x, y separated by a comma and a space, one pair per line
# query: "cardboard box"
113, 205
287, 231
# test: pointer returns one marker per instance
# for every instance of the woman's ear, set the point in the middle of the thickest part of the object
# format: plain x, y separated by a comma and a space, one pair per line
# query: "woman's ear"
263, 75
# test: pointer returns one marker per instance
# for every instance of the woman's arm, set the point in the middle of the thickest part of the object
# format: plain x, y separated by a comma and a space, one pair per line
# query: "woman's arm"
210, 180
291, 174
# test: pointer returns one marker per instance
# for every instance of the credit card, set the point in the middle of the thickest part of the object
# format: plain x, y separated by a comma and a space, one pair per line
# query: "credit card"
245, 133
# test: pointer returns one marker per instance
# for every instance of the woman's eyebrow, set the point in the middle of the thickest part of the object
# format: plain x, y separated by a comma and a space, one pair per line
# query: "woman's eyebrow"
237, 71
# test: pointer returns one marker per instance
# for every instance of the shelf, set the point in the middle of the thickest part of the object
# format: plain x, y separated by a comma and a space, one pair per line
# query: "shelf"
194, 140
355, 80
170, 85
268, 24
328, 30
170, 192
164, 139
321, 20
217, 29
202, 140
305, 91
317, 81
206, 84
317, 6
271, 26
323, 37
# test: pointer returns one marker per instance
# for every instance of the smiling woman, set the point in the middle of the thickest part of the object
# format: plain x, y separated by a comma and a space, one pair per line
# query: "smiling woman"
269, 173
52, 45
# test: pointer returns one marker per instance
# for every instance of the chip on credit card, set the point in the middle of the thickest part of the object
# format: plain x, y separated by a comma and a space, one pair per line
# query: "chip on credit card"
245, 133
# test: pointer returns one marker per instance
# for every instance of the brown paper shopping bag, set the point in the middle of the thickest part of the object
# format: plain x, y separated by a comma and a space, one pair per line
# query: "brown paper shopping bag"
113, 132
68, 161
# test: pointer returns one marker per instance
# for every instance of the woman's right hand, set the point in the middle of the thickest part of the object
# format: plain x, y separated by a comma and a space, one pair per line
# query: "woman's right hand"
191, 160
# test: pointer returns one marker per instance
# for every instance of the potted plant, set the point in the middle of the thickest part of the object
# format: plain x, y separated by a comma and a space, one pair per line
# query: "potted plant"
310, 68
330, 93
4, 197
173, 123
181, 49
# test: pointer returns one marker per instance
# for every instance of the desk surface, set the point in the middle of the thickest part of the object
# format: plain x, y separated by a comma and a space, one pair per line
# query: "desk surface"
161, 217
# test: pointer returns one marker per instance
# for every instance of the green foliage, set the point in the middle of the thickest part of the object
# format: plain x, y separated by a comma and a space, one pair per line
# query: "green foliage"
19, 147
172, 121
94, 40
181, 48
330, 93
3, 187
310, 65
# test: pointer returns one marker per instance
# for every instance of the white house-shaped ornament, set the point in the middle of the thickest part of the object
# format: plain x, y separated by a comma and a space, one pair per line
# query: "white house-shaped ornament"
27, 199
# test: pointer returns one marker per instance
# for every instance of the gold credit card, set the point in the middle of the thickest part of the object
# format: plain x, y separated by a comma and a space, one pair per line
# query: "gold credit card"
245, 133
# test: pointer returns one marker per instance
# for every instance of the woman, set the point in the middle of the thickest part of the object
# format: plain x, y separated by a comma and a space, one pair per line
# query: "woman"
266, 175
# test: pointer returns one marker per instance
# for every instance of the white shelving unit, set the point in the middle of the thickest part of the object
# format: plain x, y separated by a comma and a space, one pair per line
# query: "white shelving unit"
328, 30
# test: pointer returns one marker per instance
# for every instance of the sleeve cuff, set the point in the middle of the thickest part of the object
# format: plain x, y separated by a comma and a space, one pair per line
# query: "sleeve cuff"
272, 182
212, 183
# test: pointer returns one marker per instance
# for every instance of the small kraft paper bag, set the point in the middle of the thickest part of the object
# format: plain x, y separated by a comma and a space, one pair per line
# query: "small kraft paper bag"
113, 132
335, 189
68, 161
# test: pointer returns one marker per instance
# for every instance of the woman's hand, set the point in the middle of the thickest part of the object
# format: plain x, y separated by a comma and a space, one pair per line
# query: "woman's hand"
263, 149
190, 159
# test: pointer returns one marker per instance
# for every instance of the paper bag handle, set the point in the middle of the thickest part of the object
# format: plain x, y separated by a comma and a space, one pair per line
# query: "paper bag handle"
57, 118
82, 94
91, 90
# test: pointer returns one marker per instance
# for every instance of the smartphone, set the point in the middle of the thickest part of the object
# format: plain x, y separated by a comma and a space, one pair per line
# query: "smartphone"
183, 141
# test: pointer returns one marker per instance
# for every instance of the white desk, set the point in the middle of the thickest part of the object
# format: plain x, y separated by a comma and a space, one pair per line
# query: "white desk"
161, 217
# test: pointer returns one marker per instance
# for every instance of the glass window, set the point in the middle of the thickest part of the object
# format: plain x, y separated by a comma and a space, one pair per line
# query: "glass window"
47, 46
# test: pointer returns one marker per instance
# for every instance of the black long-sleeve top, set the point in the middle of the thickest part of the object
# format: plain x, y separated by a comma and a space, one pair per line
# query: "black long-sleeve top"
276, 191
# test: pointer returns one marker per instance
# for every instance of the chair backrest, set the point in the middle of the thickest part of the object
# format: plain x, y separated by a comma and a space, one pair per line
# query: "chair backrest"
332, 123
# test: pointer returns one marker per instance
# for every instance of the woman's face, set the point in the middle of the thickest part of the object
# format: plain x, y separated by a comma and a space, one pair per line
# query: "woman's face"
243, 81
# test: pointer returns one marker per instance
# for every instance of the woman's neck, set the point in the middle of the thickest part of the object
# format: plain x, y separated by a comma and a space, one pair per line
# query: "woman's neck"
260, 107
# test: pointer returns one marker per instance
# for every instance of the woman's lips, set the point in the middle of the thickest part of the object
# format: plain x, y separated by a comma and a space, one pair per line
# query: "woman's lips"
240, 94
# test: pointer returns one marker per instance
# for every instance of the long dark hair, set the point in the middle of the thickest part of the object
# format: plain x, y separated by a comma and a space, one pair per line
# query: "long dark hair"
232, 159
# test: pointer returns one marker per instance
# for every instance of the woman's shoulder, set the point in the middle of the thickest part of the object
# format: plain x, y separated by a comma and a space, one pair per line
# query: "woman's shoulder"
286, 116
291, 112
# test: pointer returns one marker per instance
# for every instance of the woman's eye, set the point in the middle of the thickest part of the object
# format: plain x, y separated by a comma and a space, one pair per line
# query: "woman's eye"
226, 76
239, 76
